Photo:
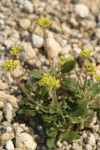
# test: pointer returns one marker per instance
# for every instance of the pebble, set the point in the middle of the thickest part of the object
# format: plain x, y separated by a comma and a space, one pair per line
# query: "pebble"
37, 41
8, 98
24, 23
6, 136
28, 6
28, 53
53, 46
9, 145
90, 140
88, 147
25, 141
82, 10
59, 144
8, 112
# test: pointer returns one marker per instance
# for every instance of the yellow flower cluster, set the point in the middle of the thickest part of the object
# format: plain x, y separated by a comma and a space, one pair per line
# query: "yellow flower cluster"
97, 77
86, 54
90, 68
10, 64
49, 82
44, 23
15, 50
63, 59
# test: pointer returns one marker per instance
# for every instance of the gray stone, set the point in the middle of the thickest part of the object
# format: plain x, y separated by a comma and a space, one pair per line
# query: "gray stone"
82, 10
37, 41
9, 145
28, 6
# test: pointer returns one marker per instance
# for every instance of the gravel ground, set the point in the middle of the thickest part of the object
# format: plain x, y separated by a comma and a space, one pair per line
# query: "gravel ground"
76, 26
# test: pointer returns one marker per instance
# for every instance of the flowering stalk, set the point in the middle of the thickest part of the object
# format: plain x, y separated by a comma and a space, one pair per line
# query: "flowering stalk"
57, 104
85, 84
47, 51
26, 75
22, 88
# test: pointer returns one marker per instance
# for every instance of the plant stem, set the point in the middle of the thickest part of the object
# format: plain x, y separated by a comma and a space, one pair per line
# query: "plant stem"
58, 106
85, 84
26, 75
22, 88
47, 51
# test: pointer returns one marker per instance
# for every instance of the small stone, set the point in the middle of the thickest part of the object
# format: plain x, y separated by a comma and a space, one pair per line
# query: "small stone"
6, 136
9, 112
90, 140
24, 23
39, 128
28, 6
25, 141
59, 144
88, 147
53, 46
37, 41
9, 145
3, 85
1, 104
28, 53
8, 98
82, 10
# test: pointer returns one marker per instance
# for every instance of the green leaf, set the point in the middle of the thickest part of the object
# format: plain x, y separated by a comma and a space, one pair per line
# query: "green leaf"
77, 115
75, 119
48, 118
68, 66
36, 74
52, 132
70, 136
50, 143
69, 84
30, 113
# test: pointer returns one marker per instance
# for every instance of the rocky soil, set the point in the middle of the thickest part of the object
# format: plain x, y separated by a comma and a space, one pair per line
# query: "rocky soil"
76, 26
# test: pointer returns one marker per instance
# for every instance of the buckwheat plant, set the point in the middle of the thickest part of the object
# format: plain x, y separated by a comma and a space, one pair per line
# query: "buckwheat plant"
62, 104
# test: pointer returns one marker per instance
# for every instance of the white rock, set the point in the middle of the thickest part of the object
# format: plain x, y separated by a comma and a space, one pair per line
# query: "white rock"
9, 145
90, 140
25, 141
37, 41
8, 98
88, 147
9, 112
28, 6
53, 46
82, 10
24, 23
